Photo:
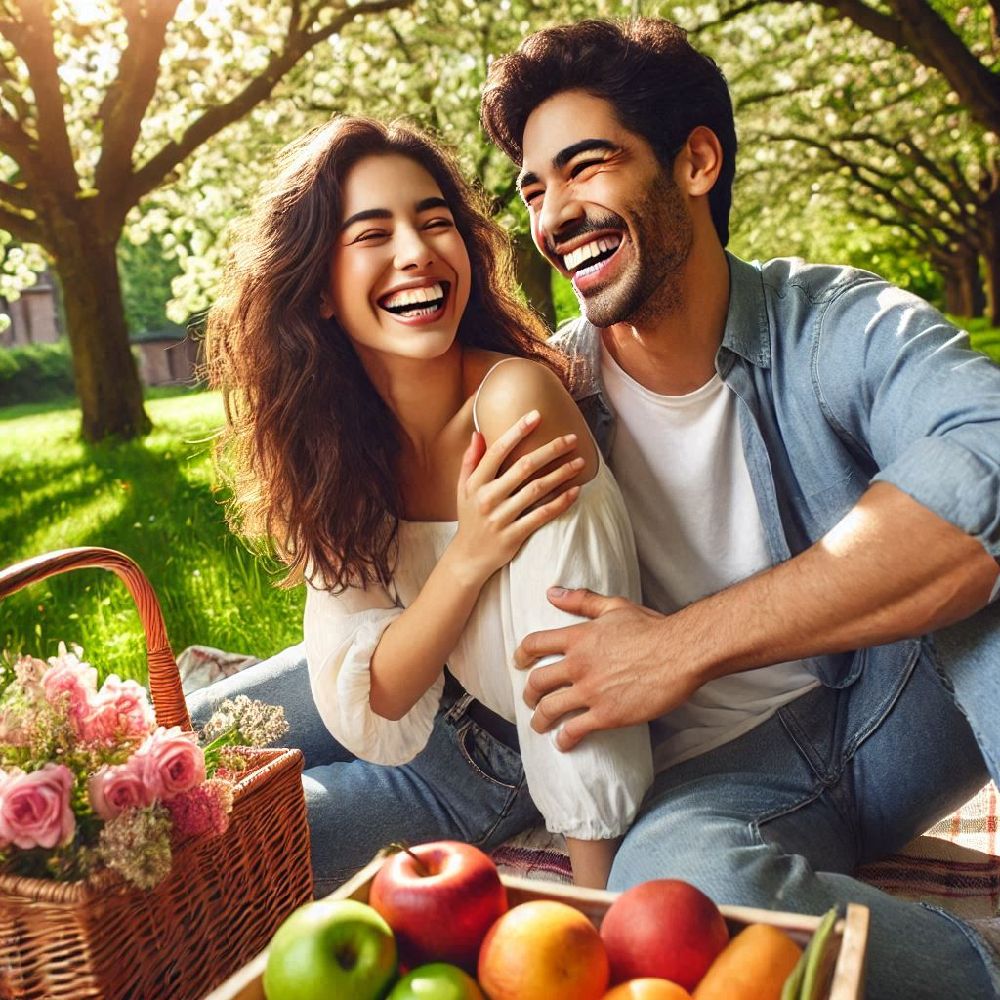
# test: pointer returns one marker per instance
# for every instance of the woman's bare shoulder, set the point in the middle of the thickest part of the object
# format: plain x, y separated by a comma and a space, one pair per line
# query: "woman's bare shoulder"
518, 385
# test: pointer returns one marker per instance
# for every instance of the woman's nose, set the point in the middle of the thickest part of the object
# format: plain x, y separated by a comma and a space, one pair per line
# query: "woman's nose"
412, 250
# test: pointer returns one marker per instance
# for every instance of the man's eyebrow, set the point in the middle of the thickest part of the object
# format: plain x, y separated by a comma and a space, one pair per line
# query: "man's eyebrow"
424, 205
568, 153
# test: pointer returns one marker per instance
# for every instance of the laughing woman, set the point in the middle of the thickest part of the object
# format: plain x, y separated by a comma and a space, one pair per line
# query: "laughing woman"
373, 354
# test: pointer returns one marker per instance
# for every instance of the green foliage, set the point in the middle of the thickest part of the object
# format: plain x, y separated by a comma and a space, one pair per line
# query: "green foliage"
567, 305
146, 274
35, 373
158, 502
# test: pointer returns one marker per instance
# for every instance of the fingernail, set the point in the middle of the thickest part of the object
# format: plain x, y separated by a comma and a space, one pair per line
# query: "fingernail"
530, 418
558, 591
578, 462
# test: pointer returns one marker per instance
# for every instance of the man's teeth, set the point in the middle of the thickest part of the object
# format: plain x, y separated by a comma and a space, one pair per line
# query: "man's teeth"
410, 299
589, 251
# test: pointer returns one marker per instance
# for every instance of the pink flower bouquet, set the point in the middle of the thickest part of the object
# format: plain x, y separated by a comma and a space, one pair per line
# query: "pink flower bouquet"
88, 780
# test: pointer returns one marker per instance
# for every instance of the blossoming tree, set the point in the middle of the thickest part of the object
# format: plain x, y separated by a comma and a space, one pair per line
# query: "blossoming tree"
101, 102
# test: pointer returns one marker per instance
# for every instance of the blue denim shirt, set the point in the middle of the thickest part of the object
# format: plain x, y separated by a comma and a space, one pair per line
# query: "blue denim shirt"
842, 380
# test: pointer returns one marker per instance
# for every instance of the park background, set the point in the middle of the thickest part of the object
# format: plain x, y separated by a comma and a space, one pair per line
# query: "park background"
132, 133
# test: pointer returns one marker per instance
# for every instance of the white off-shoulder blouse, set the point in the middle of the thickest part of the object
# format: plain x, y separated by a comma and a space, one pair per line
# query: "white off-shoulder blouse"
592, 792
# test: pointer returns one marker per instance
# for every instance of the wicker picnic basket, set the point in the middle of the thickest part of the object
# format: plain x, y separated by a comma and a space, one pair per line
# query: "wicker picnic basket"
224, 898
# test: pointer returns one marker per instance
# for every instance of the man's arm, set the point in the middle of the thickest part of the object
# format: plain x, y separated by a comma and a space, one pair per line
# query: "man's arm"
890, 569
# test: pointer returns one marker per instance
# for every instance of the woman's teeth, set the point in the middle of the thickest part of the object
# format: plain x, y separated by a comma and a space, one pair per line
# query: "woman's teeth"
416, 301
591, 254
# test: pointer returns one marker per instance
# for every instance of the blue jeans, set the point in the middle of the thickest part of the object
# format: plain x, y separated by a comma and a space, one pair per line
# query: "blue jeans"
465, 785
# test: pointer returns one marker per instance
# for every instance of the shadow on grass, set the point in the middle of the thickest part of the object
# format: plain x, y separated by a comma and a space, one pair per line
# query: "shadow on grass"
158, 505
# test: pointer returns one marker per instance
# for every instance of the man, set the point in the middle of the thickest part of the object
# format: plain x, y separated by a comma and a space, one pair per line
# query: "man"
811, 458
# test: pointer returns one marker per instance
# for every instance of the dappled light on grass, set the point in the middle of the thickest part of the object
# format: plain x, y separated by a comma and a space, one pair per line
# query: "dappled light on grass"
157, 501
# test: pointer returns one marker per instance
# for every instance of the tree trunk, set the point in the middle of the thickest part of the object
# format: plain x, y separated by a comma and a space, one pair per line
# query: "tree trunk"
535, 276
990, 240
963, 285
107, 380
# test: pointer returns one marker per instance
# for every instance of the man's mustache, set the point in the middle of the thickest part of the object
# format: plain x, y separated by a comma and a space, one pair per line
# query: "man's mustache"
587, 225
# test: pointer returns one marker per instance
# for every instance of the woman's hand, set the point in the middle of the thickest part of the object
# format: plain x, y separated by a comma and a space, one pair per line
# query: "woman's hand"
496, 514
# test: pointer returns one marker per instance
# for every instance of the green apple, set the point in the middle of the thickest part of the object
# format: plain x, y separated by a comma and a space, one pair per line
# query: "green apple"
331, 948
436, 981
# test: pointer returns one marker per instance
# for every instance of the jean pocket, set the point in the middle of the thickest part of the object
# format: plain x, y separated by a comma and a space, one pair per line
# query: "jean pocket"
488, 758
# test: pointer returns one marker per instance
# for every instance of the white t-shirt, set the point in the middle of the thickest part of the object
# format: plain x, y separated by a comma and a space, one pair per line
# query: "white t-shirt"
591, 792
680, 465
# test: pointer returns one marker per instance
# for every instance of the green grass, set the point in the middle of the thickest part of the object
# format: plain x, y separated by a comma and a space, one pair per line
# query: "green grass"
984, 337
157, 501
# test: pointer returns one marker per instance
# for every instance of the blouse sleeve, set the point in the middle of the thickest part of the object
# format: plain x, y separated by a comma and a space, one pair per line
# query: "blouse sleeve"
593, 791
341, 633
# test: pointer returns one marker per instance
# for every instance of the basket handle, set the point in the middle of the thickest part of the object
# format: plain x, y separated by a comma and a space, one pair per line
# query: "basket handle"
164, 679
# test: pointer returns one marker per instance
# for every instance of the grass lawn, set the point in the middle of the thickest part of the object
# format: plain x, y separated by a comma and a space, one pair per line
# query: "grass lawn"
156, 501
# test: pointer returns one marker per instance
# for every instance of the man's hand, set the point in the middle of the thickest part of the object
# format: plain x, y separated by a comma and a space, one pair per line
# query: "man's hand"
617, 670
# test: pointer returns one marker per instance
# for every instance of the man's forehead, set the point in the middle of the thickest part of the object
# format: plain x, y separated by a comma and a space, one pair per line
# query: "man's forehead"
564, 120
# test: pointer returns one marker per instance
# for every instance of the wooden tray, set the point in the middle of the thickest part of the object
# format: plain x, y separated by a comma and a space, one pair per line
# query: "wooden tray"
846, 977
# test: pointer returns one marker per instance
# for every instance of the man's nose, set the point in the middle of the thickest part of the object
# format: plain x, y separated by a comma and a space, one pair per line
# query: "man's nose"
411, 249
559, 211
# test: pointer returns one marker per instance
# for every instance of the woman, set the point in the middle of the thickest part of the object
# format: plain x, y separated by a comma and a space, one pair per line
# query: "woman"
373, 354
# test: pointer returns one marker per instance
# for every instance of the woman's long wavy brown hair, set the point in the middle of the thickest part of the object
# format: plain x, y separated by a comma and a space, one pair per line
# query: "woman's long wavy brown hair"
310, 447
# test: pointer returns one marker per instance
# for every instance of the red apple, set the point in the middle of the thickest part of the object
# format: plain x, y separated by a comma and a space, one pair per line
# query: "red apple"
440, 900
664, 929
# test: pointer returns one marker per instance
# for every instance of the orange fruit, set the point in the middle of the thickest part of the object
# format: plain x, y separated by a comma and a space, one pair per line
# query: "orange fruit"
647, 989
543, 950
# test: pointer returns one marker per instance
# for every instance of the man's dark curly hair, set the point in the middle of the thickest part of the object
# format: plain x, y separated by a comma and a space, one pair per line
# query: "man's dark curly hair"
660, 86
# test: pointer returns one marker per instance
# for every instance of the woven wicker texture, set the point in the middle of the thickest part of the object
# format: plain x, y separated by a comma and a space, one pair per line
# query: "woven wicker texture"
224, 898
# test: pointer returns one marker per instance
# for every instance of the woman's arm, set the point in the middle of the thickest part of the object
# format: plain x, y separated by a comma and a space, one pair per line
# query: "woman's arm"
492, 526
591, 797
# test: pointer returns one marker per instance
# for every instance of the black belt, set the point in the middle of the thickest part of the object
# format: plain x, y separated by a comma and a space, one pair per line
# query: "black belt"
496, 725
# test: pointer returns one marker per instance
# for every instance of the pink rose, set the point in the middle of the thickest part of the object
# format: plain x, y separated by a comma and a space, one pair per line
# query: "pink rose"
114, 790
35, 809
173, 760
120, 710
73, 681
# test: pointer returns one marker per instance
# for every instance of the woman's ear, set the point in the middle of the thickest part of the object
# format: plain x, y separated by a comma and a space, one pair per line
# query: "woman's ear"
699, 161
325, 305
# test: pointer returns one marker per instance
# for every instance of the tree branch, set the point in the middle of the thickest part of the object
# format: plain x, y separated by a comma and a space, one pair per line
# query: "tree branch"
15, 196
867, 177
127, 98
22, 228
35, 45
358, 10
916, 26
216, 118
920, 29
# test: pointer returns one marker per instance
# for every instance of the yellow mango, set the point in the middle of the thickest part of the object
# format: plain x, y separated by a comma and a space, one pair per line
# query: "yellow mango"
753, 966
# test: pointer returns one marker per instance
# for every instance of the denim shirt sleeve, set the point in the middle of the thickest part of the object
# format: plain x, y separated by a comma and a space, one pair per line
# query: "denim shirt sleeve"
897, 381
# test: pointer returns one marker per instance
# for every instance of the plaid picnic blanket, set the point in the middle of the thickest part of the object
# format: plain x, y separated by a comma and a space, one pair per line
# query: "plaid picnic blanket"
954, 865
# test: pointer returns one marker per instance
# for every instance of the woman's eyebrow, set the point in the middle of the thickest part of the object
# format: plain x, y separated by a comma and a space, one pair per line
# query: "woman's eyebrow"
424, 205
368, 213
428, 203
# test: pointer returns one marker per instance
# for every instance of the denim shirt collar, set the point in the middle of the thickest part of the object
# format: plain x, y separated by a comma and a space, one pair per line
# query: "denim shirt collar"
747, 333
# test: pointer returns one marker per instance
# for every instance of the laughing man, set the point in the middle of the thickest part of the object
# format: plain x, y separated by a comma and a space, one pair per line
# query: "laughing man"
811, 458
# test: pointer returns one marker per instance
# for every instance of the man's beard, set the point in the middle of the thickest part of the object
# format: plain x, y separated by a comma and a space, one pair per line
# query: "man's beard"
647, 289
